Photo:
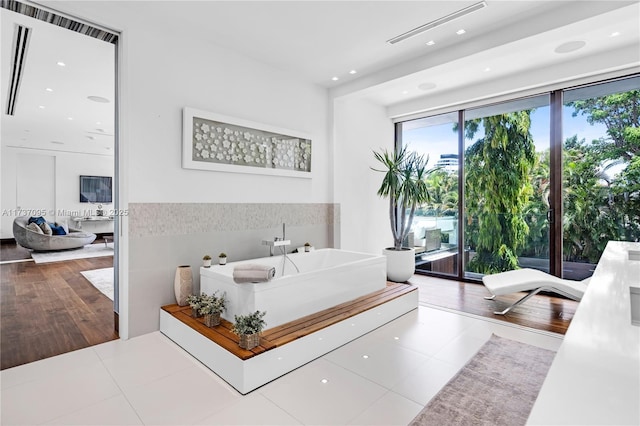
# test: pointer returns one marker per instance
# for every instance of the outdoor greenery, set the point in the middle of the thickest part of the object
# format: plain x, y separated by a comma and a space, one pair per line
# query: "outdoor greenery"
498, 188
507, 186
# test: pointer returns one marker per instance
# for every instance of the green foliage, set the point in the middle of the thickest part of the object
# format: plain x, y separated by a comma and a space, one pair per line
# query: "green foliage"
249, 324
195, 300
404, 184
497, 189
620, 113
212, 304
443, 189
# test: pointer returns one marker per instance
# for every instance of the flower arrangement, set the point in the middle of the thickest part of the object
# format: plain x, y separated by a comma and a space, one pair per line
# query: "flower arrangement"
206, 261
206, 257
212, 304
195, 301
249, 324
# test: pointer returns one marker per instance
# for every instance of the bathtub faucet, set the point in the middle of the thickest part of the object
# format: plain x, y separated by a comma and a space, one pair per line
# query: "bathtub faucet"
278, 242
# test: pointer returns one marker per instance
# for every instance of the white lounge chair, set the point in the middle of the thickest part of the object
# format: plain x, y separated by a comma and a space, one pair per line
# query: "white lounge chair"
531, 280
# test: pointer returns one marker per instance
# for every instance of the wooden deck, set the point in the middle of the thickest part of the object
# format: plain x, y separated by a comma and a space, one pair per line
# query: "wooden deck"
286, 333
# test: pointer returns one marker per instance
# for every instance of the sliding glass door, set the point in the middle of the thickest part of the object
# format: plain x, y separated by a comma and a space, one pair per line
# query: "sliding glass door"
541, 182
435, 225
601, 172
506, 186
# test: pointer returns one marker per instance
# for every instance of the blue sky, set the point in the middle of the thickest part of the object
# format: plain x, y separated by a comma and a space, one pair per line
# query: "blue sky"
440, 139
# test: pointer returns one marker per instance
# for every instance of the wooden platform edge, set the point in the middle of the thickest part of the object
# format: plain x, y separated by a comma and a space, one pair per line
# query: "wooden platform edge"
275, 337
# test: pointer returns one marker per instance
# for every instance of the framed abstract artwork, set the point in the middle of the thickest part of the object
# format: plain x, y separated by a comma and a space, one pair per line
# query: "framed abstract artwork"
217, 142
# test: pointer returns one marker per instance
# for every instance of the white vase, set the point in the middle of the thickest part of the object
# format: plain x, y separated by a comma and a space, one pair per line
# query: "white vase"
401, 264
183, 284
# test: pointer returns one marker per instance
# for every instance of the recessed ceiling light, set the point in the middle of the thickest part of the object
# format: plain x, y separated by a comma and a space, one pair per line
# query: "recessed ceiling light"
487, 69
324, 381
570, 46
41, 106
405, 92
70, 118
61, 64
365, 356
615, 34
460, 31
427, 86
98, 123
49, 89
99, 99
335, 78
353, 72
431, 43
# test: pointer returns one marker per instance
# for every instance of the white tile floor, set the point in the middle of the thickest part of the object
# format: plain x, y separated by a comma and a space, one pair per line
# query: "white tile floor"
382, 378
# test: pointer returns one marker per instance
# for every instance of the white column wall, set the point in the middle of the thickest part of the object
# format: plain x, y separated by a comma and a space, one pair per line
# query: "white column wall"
360, 128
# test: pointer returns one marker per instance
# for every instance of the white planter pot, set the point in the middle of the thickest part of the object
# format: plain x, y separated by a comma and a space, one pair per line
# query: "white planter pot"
400, 264
207, 263
222, 260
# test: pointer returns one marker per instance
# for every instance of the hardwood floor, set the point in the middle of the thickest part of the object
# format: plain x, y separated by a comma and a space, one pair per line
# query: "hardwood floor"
542, 312
49, 309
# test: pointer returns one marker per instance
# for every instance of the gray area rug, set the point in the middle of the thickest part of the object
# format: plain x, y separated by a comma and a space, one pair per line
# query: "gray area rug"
498, 386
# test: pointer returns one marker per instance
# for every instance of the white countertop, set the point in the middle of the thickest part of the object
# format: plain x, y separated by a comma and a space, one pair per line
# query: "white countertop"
595, 376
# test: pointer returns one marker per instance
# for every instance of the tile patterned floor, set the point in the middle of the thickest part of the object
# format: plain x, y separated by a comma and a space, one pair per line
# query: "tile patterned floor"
382, 378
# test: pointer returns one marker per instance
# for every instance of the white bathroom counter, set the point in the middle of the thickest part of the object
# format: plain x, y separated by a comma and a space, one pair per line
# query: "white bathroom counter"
595, 376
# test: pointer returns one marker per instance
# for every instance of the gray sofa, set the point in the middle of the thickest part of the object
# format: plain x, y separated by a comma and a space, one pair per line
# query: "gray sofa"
42, 242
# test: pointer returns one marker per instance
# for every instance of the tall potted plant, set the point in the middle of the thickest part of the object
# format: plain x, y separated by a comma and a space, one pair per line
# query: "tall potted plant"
404, 184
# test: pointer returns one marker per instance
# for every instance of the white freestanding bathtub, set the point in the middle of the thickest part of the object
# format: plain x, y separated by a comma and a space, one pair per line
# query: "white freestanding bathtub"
327, 277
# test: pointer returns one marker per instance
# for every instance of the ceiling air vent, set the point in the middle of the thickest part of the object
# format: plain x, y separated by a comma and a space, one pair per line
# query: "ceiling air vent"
18, 56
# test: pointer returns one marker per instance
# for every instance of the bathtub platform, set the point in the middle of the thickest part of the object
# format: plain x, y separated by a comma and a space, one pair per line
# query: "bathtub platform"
287, 346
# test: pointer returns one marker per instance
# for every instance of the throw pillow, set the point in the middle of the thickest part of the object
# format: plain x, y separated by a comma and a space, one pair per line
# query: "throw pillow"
58, 230
46, 228
37, 220
35, 228
64, 226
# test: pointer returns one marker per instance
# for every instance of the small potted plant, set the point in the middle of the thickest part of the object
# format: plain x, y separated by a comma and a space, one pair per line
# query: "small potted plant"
307, 247
248, 328
211, 307
222, 258
206, 260
195, 301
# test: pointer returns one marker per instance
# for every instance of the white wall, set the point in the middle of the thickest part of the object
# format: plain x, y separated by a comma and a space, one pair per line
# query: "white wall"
168, 71
67, 170
164, 67
360, 128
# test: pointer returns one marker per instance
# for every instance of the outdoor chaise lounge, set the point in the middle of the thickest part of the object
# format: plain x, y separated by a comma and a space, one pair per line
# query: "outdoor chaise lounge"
531, 280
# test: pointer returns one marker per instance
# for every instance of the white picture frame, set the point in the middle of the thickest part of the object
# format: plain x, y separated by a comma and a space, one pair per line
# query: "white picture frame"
217, 142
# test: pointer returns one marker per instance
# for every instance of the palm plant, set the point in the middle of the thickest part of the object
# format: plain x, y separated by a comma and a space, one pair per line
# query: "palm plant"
404, 184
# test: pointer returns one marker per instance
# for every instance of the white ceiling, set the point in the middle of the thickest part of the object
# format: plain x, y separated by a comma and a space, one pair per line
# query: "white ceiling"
313, 41
63, 119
